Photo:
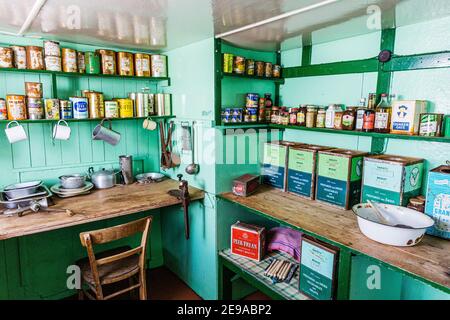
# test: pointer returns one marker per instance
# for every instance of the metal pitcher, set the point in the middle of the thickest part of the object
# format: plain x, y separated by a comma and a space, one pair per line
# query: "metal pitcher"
106, 134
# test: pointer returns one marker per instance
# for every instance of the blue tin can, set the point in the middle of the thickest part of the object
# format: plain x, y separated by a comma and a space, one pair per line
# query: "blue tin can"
252, 100
65, 109
80, 107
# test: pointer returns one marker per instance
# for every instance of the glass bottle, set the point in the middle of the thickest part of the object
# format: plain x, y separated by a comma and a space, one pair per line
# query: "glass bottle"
269, 102
369, 115
311, 116
320, 120
301, 116
348, 119
383, 114
329, 117
360, 115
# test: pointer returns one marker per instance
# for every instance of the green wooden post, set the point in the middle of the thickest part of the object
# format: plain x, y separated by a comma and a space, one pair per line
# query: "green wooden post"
384, 77
225, 284
218, 81
344, 274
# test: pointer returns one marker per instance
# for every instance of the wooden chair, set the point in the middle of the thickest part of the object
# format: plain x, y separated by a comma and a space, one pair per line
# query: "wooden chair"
116, 265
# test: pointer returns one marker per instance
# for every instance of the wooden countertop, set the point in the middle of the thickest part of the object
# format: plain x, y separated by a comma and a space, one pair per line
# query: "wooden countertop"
429, 260
99, 205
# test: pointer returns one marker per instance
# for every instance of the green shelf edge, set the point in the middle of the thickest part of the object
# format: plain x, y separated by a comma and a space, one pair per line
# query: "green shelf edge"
243, 76
88, 120
75, 74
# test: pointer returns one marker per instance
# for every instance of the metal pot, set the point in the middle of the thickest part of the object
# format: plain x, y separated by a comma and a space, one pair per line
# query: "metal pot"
73, 181
21, 190
103, 179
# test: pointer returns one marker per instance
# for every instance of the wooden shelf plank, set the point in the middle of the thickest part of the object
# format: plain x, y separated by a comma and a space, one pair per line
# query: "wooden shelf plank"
99, 205
90, 119
428, 261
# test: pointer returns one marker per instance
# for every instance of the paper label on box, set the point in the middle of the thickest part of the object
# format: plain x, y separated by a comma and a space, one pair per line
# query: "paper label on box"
332, 191
245, 243
380, 195
273, 176
438, 204
300, 183
334, 167
383, 175
413, 177
300, 160
357, 168
275, 155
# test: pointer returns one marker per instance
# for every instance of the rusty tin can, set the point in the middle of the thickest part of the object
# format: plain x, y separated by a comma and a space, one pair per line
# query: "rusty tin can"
6, 57
107, 61
268, 70
17, 109
65, 109
81, 62
53, 63
111, 109
69, 60
3, 110
33, 89
35, 108
52, 109
51, 49
142, 65
20, 57
35, 58
125, 64
159, 65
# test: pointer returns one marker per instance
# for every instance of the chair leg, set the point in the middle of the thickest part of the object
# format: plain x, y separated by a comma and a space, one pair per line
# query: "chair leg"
133, 294
143, 287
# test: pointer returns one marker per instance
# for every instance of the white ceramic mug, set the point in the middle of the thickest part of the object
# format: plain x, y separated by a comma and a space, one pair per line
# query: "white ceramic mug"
15, 134
149, 124
61, 132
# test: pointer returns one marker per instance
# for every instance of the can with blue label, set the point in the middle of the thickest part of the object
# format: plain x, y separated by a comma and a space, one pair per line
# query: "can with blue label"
252, 100
65, 109
80, 107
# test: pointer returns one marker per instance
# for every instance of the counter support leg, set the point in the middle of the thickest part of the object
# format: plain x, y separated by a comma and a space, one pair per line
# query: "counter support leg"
344, 273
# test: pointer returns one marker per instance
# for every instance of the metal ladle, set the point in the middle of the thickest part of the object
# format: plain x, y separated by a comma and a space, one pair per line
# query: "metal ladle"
193, 168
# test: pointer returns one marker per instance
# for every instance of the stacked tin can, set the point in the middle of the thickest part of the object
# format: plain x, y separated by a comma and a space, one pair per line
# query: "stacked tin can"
33, 92
52, 55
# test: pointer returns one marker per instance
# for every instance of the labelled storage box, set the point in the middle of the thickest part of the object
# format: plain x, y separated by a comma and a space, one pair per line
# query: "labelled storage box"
391, 179
248, 241
406, 116
438, 201
275, 160
339, 177
302, 169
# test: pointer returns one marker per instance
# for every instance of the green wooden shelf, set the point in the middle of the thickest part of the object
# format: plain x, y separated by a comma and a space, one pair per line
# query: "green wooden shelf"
244, 76
242, 125
89, 120
75, 74
365, 134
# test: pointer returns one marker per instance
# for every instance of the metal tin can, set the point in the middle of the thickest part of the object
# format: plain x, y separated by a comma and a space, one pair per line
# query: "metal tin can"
6, 57
228, 63
159, 65
268, 70
141, 100
92, 60
253, 113
252, 100
69, 60
20, 57
107, 61
125, 108
276, 72
167, 104
33, 89
111, 109
52, 109
53, 63
35, 58
125, 64
142, 65
35, 109
65, 109
160, 104
431, 124
3, 110
95, 102
17, 109
259, 68
151, 104
80, 107
81, 62
250, 67
239, 65
51, 49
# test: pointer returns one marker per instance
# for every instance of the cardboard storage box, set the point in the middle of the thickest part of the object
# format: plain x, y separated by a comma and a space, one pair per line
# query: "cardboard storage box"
248, 241
275, 160
302, 168
391, 179
438, 201
339, 177
406, 116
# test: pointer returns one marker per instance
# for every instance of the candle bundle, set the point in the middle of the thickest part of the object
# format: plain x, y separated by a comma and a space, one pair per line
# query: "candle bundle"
280, 271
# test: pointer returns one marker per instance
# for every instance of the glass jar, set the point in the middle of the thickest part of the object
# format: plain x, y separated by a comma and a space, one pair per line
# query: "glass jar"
275, 114
301, 116
338, 115
284, 118
268, 100
359, 122
311, 115
348, 119
417, 204
268, 114
293, 116
383, 114
329, 117
320, 119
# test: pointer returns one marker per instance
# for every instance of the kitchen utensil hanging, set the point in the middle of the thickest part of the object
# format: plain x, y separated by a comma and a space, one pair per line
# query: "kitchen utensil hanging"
193, 168
168, 158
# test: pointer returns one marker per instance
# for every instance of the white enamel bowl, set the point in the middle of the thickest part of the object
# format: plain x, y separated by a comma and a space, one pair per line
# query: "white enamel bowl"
393, 234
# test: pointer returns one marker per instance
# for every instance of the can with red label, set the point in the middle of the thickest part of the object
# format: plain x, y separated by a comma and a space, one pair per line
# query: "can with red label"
248, 241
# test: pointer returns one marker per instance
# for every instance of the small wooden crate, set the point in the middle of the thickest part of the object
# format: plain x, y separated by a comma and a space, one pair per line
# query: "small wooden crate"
339, 177
391, 179
275, 161
302, 169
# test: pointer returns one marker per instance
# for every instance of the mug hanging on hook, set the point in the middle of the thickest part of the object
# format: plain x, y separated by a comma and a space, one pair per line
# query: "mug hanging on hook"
149, 124
15, 134
61, 132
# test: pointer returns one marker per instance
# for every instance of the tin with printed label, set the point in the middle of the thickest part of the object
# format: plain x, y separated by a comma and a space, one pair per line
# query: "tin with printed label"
3, 110
125, 64
16, 105
33, 89
431, 124
81, 62
107, 61
111, 109
51, 49
69, 60
53, 63
239, 65
92, 61
228, 63
65, 109
35, 109
52, 109
6, 57
35, 58
142, 65
20, 57
159, 65
80, 107
126, 108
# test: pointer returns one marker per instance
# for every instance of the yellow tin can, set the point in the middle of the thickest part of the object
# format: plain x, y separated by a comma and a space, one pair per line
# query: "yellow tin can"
125, 108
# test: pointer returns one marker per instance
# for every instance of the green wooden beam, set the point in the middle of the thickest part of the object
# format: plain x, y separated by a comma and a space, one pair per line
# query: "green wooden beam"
306, 55
344, 274
218, 81
384, 77
419, 61
335, 68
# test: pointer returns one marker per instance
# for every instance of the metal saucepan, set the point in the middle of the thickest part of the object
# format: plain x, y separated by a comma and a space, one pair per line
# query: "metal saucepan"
73, 181
21, 190
150, 177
